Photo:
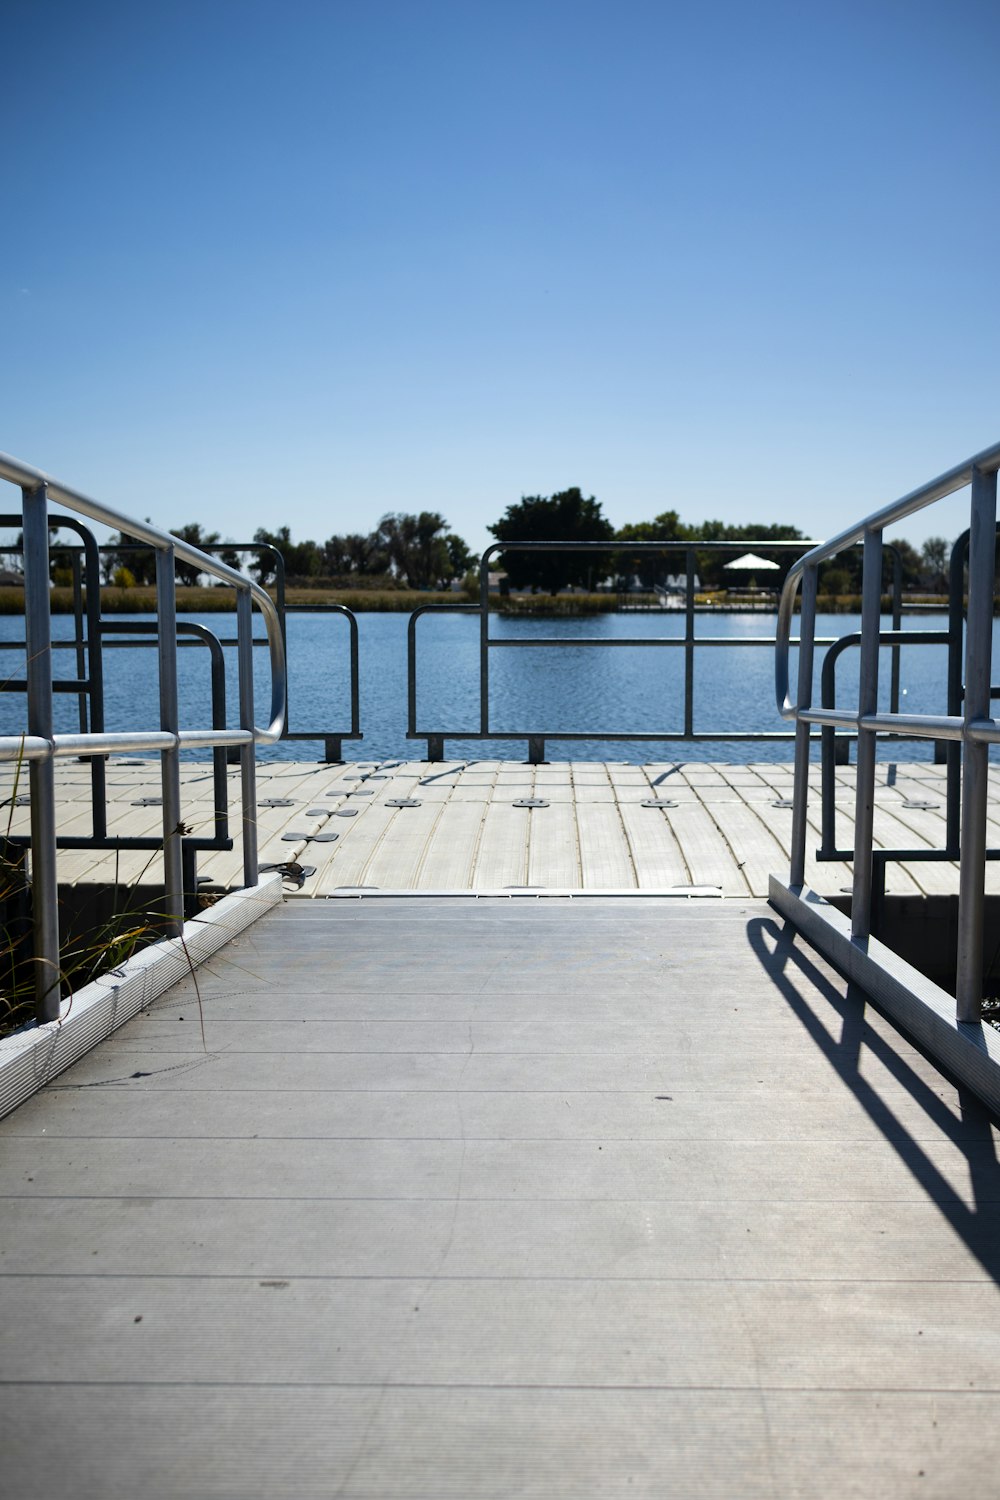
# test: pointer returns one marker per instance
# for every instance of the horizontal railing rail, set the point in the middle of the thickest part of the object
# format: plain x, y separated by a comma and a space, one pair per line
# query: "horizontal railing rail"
689, 643
88, 603
191, 636
34, 482
201, 636
331, 738
828, 849
85, 643
970, 726
40, 745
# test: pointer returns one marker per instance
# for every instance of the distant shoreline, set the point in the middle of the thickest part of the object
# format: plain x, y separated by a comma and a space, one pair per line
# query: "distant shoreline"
141, 601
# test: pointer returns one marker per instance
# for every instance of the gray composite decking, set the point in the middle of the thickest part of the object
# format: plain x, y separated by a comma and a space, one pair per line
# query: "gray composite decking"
502, 1198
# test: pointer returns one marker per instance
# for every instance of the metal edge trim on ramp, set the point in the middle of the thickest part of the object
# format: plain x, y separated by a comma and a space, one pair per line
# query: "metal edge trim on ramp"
31, 1057
527, 893
970, 1053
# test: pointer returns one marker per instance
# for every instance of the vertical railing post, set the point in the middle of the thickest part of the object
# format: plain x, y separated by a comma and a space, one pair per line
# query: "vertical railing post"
484, 648
803, 700
352, 626
220, 778
41, 775
78, 639
95, 682
170, 769
411, 675
975, 753
689, 560
827, 757
897, 624
864, 802
953, 748
248, 752
279, 604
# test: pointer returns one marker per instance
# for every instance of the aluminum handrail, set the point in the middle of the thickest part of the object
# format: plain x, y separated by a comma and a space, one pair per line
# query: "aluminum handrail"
40, 745
30, 478
974, 728
332, 738
946, 484
829, 848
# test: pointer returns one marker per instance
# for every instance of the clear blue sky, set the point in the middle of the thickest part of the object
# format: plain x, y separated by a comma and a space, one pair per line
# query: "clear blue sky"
304, 263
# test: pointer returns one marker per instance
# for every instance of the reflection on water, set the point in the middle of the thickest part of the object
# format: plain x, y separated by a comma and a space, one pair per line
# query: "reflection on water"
575, 687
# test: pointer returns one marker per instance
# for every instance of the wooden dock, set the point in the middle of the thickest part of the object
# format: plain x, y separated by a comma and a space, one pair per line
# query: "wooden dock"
497, 825
491, 1198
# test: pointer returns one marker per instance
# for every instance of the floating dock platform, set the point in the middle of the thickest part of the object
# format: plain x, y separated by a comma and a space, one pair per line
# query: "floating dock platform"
471, 1196
499, 825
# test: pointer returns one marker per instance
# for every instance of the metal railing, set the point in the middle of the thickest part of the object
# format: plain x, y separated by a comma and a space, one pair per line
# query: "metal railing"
970, 727
830, 741
87, 686
689, 643
87, 605
40, 745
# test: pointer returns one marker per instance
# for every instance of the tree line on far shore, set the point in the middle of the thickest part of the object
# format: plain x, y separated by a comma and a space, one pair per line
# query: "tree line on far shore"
420, 551
569, 517
403, 552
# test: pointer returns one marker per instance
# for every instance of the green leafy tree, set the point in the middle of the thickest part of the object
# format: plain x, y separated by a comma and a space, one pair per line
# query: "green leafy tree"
263, 566
935, 553
61, 565
193, 534
304, 560
230, 554
368, 555
565, 517
354, 553
140, 561
711, 565
649, 567
336, 556
416, 546
460, 560
910, 560
841, 574
60, 560
834, 581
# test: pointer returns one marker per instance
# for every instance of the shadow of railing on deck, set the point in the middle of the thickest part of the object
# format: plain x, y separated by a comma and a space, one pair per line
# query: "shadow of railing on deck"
780, 953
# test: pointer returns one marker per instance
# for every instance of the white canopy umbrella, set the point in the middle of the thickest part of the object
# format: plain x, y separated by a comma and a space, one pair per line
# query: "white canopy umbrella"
750, 563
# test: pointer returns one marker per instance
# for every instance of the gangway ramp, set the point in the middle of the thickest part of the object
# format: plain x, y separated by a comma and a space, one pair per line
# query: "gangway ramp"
502, 1196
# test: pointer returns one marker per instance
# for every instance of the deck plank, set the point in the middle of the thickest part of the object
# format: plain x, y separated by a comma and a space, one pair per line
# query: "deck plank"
348, 863
605, 852
727, 832
553, 846
475, 1198
657, 855
755, 851
450, 857
502, 855
399, 857
707, 854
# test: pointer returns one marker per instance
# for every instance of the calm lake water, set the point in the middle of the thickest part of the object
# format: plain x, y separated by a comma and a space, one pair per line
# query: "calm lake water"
576, 687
